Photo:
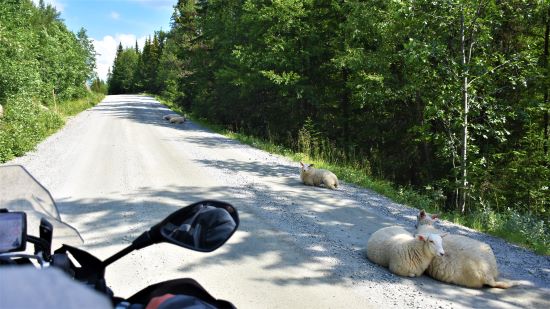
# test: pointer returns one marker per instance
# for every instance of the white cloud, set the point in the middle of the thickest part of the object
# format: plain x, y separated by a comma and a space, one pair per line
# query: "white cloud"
115, 15
55, 3
106, 50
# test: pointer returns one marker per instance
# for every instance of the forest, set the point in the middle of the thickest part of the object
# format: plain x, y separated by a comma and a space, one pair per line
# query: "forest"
449, 98
44, 70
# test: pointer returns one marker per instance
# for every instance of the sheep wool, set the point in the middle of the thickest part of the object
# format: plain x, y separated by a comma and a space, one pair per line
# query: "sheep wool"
177, 119
400, 251
467, 262
315, 177
170, 116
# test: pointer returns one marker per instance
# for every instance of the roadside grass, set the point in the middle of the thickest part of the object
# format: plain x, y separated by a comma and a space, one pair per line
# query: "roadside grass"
522, 230
73, 107
174, 107
26, 122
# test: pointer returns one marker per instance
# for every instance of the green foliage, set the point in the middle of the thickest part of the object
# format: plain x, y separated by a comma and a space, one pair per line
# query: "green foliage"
381, 87
168, 73
524, 229
135, 71
530, 231
99, 86
39, 56
73, 107
122, 78
42, 66
24, 124
89, 54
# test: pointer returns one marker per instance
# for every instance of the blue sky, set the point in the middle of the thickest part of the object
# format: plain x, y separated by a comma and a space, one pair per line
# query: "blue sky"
109, 22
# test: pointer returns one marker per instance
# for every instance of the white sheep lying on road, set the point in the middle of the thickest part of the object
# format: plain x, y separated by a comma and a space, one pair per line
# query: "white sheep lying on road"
315, 177
170, 116
177, 119
400, 251
467, 262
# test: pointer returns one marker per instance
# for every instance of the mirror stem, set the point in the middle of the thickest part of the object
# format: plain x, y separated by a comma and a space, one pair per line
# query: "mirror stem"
118, 255
142, 241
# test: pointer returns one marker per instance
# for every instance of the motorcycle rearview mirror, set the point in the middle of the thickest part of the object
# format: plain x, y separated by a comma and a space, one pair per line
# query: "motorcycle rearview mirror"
202, 226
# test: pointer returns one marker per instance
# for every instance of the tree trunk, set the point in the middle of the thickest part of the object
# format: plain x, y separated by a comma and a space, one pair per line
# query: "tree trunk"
54, 100
545, 64
464, 167
346, 108
426, 159
465, 110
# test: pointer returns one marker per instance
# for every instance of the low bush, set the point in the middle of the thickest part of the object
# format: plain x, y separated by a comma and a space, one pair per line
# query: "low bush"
26, 122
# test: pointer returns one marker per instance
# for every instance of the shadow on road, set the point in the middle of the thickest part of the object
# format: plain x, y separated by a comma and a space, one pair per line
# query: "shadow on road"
322, 227
140, 109
264, 237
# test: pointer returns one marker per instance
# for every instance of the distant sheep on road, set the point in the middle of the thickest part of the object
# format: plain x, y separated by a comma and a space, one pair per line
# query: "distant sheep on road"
315, 177
174, 118
177, 120
167, 117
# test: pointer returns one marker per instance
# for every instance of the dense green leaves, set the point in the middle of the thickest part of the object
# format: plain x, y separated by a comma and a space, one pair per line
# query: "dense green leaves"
39, 56
388, 86
122, 78
135, 71
42, 64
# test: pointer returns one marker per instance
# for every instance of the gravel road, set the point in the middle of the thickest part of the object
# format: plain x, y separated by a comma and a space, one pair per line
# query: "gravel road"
118, 168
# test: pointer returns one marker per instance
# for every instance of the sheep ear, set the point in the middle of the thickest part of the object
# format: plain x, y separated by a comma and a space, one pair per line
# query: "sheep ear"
420, 237
422, 214
443, 235
302, 163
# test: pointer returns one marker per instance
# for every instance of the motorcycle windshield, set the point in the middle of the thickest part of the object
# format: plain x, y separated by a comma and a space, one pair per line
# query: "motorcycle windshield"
19, 191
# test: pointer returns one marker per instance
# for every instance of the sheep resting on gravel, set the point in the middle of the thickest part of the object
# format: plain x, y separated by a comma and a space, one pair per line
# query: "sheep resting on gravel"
400, 251
174, 118
467, 262
315, 176
170, 116
177, 120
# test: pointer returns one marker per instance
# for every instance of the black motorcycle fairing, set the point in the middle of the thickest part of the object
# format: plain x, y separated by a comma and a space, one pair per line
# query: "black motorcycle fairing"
185, 286
91, 270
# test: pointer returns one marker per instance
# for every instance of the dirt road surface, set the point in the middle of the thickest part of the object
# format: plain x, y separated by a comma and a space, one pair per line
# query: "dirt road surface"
118, 168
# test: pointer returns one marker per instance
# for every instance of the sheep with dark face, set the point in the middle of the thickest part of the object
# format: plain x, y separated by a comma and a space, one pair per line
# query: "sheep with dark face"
400, 251
467, 262
315, 176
